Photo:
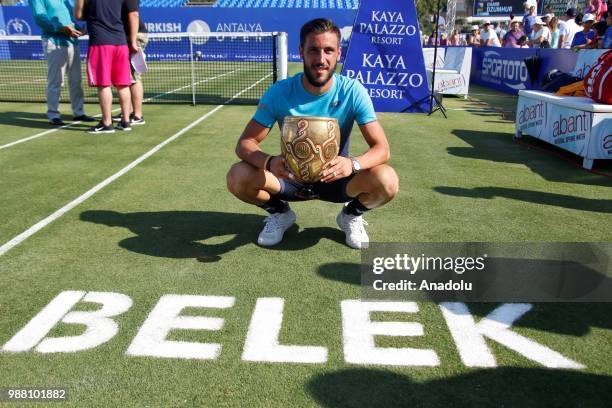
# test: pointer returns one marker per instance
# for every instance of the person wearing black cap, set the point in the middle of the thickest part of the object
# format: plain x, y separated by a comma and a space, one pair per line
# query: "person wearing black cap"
568, 28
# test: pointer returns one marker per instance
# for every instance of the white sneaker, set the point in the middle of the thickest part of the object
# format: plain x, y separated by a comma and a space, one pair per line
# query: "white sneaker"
353, 227
276, 225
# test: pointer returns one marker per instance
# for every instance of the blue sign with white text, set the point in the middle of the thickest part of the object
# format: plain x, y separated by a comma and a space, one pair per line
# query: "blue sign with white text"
19, 21
385, 55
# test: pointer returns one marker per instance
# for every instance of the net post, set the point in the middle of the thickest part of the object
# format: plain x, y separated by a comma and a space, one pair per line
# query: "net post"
275, 57
282, 55
193, 84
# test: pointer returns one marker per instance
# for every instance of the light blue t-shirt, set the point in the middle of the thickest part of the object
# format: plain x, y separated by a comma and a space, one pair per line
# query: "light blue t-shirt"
50, 16
347, 101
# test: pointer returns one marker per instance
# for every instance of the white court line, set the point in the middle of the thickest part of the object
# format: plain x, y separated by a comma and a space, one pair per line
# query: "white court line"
46, 132
57, 214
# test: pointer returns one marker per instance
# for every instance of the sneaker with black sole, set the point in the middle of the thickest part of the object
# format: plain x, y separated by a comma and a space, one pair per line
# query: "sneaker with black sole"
101, 128
56, 122
84, 118
124, 126
135, 120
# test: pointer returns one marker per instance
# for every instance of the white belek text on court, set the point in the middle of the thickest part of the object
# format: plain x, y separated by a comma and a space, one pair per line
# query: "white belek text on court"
262, 337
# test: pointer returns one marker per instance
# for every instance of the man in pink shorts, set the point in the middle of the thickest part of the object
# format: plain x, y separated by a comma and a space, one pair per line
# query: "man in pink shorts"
108, 56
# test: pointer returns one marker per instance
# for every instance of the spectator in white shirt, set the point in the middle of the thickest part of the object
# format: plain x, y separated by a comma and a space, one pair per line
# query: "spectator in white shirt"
488, 36
540, 35
568, 28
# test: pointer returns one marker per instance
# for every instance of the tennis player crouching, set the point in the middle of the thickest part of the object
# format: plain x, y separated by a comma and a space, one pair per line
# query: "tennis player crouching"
361, 182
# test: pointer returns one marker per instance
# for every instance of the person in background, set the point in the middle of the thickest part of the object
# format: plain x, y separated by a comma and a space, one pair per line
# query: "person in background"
604, 9
596, 4
136, 89
528, 20
549, 10
108, 57
584, 38
488, 36
443, 40
511, 39
568, 28
607, 41
431, 41
599, 28
473, 38
540, 35
553, 26
501, 30
455, 39
588, 7
61, 49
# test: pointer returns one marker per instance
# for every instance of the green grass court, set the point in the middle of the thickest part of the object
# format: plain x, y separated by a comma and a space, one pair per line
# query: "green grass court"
168, 226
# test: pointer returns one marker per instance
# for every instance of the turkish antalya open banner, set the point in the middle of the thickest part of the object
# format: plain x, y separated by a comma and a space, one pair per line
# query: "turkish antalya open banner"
385, 55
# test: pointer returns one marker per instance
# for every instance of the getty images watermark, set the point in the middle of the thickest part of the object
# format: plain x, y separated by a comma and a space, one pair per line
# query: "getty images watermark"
488, 272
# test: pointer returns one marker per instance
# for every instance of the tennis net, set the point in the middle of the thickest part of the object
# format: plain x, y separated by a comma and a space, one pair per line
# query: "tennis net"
202, 68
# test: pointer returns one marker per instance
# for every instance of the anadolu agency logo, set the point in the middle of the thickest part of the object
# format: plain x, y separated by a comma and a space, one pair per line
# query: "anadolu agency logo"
512, 73
17, 26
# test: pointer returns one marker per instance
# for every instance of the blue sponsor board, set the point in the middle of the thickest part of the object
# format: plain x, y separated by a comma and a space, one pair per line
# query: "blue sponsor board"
385, 55
504, 69
19, 21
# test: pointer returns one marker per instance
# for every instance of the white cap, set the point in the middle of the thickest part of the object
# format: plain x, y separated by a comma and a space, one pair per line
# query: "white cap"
475, 27
539, 21
486, 22
588, 17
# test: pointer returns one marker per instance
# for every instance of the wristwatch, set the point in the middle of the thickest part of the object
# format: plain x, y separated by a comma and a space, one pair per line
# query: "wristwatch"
356, 165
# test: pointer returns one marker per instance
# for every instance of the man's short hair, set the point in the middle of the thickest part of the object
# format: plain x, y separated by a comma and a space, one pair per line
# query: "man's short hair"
318, 26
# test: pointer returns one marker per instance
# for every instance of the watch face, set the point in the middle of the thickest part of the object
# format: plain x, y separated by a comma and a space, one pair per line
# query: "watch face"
356, 165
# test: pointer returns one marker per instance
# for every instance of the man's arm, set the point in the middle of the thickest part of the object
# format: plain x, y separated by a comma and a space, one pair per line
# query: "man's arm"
133, 20
248, 150
378, 153
39, 11
78, 9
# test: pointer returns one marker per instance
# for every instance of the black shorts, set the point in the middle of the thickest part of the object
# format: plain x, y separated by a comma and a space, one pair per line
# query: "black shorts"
335, 192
